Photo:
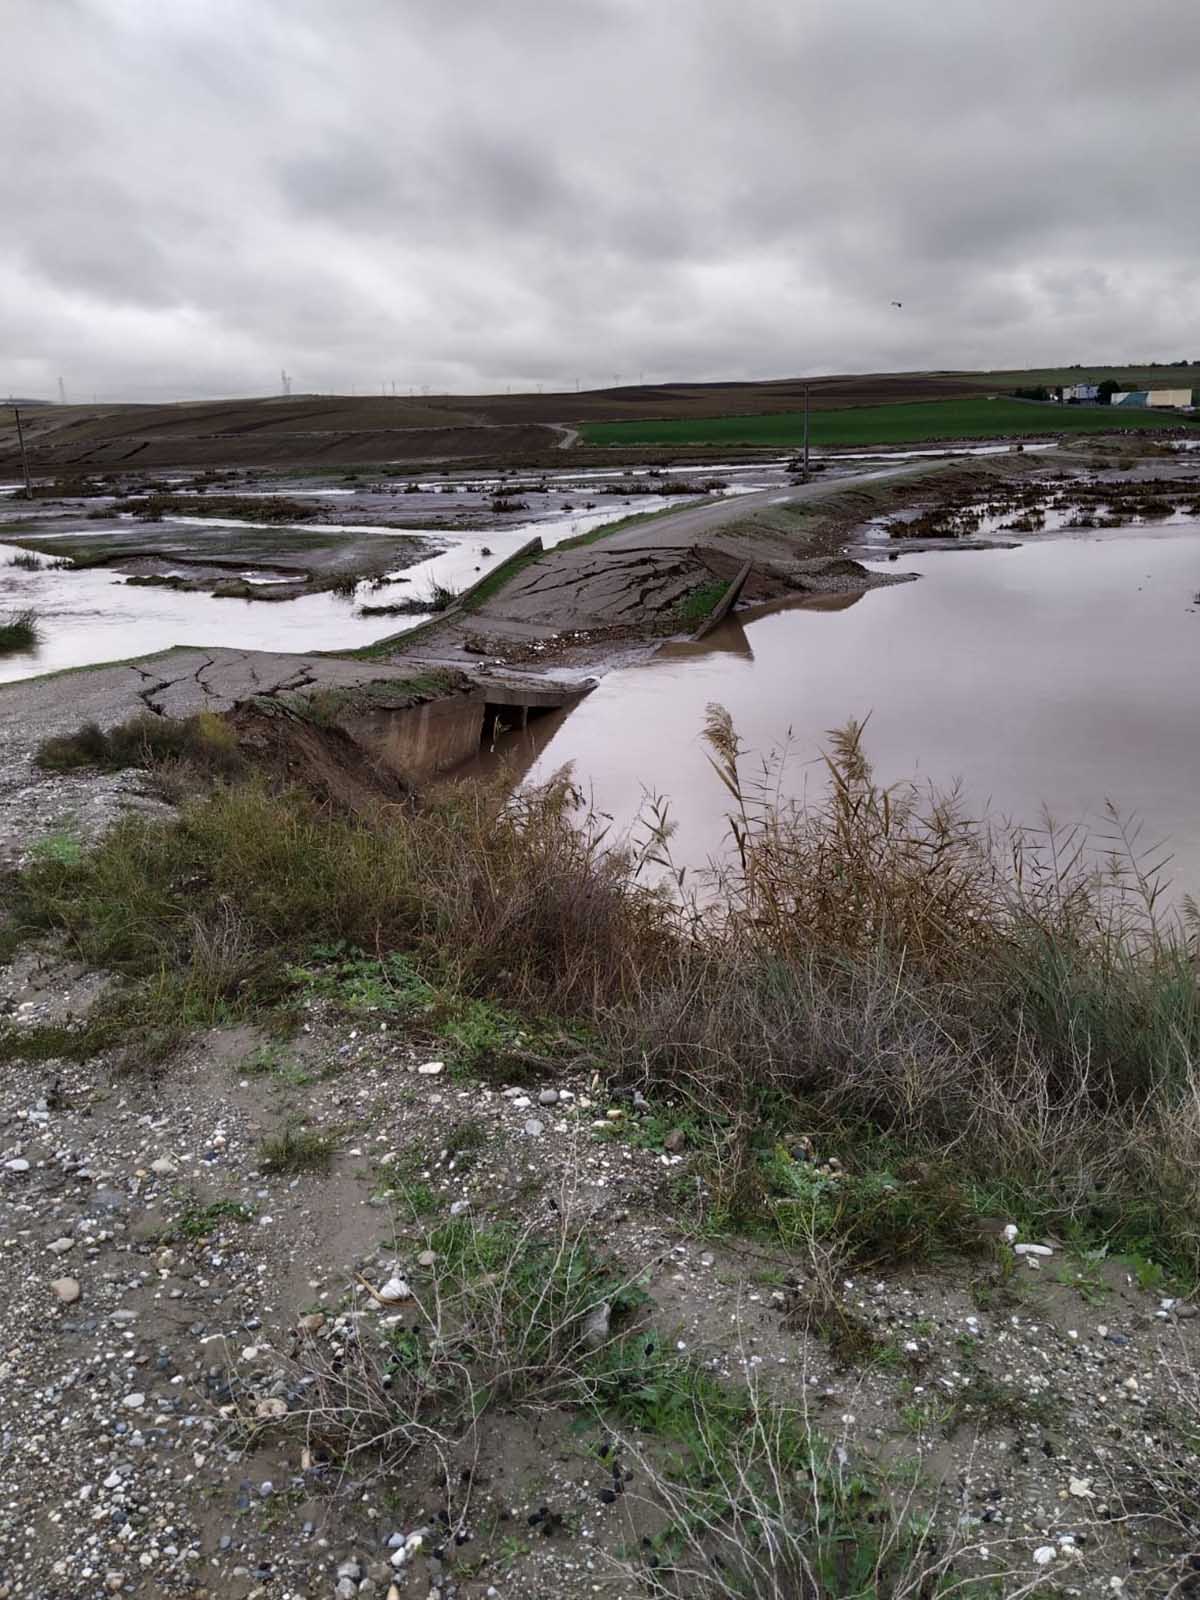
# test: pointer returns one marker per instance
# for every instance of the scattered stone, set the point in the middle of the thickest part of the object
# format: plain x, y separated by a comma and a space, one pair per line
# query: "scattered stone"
427, 1258
395, 1290
430, 1069
312, 1323
548, 1097
164, 1167
1032, 1250
675, 1141
134, 1402
268, 1410
61, 1246
1044, 1555
533, 1127
17, 1164
66, 1290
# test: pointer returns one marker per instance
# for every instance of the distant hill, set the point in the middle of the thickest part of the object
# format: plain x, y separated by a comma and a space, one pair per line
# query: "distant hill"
330, 431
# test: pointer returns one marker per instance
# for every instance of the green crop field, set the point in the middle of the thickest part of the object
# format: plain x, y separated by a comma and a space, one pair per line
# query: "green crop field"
911, 422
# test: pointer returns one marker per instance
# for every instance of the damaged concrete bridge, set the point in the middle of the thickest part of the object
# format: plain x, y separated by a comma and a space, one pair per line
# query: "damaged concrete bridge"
414, 722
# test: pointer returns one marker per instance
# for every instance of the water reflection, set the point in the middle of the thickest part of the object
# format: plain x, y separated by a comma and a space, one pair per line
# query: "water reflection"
1059, 674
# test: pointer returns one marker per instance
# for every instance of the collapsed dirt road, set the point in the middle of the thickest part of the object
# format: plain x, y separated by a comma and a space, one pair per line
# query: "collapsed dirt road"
586, 600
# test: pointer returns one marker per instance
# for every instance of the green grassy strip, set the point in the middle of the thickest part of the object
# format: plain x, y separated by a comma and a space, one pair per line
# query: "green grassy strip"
912, 422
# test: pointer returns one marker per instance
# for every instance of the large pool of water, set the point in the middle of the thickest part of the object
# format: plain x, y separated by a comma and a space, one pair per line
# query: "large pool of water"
1061, 673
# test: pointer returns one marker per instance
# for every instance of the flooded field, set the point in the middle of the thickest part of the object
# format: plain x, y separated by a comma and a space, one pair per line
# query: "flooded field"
1058, 673
441, 533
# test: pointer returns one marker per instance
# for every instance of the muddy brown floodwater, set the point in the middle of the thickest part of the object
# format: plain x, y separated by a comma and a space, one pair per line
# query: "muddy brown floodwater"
1061, 673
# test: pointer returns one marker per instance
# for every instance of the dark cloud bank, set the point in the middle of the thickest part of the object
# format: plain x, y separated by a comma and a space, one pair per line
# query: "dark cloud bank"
468, 194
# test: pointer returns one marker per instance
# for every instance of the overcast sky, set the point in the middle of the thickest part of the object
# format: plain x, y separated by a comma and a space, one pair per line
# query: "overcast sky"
472, 194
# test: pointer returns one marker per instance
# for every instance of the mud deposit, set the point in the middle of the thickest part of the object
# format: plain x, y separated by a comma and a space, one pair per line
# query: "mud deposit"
1058, 673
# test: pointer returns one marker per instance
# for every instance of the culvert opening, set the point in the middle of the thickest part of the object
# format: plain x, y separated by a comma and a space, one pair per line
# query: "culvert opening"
502, 719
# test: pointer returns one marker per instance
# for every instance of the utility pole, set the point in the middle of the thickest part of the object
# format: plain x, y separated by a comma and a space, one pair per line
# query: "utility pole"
806, 431
24, 457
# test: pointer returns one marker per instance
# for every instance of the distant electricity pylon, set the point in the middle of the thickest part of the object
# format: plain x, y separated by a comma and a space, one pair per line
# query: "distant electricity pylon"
286, 380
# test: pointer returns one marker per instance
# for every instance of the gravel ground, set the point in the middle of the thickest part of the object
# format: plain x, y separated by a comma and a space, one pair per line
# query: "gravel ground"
160, 1289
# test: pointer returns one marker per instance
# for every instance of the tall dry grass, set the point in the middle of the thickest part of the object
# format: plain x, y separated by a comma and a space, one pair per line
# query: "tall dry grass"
873, 963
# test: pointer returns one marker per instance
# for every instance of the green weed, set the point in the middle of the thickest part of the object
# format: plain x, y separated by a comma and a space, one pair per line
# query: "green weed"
199, 1219
695, 607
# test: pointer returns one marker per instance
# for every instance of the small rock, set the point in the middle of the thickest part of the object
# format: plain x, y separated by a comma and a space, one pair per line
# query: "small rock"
66, 1290
595, 1328
164, 1167
548, 1097
312, 1323
61, 1246
427, 1258
431, 1069
1032, 1250
1044, 1555
675, 1141
266, 1410
134, 1402
395, 1290
533, 1127
459, 1208
17, 1164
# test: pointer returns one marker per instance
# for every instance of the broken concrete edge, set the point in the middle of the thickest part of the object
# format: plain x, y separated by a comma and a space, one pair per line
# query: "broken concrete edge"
326, 706
727, 601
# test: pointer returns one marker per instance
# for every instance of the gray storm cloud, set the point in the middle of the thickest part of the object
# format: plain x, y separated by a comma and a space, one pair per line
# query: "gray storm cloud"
467, 195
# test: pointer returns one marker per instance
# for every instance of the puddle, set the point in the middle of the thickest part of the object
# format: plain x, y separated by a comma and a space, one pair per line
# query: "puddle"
1059, 673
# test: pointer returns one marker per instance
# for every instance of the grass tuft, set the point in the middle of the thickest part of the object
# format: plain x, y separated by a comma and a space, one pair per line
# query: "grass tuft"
20, 632
205, 741
295, 1149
